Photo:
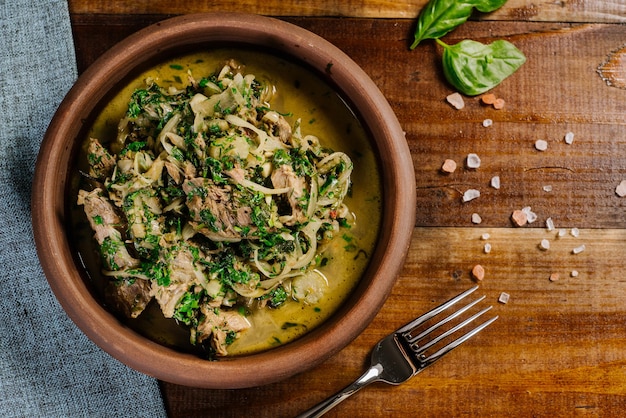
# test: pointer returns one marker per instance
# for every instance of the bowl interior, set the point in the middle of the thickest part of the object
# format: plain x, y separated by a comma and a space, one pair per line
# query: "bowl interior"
53, 180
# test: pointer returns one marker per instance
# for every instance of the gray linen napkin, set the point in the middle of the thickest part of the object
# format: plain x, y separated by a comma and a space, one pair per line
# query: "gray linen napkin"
48, 368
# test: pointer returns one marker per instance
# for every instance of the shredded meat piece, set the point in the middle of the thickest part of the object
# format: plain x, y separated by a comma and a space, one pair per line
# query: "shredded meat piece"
101, 162
243, 215
236, 173
104, 220
282, 129
217, 324
215, 210
168, 296
128, 297
189, 169
174, 172
285, 177
100, 213
183, 276
183, 263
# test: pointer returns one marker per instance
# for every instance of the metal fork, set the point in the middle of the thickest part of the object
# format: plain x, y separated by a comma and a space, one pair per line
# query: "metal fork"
405, 352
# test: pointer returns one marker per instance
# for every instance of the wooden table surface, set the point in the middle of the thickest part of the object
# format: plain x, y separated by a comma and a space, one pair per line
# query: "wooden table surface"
559, 347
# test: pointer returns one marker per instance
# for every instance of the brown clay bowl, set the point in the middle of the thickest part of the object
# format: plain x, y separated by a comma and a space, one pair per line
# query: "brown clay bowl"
50, 201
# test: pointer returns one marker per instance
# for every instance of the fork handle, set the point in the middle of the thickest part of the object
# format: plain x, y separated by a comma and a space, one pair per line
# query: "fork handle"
371, 375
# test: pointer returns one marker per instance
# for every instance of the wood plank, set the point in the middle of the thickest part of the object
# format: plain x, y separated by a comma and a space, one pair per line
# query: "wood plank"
556, 349
521, 10
91, 39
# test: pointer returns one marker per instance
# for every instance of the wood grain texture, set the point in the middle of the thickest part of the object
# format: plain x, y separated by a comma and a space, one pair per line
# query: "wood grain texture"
551, 11
558, 348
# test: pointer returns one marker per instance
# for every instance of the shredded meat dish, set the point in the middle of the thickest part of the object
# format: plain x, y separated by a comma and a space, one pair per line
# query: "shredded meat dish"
210, 203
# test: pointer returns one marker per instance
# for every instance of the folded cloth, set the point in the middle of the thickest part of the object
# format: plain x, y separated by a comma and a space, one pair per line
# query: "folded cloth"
48, 368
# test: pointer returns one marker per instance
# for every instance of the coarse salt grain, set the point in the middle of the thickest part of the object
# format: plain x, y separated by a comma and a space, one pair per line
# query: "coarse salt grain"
488, 98
471, 194
547, 188
449, 166
579, 249
620, 190
575, 232
541, 145
495, 182
544, 245
491, 99
504, 297
485, 235
473, 161
530, 215
478, 272
569, 138
519, 218
487, 248
487, 123
554, 277
562, 232
550, 224
456, 100
574, 273
476, 219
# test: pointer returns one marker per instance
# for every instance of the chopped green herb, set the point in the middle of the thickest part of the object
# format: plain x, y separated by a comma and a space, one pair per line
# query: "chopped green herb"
277, 296
187, 308
108, 250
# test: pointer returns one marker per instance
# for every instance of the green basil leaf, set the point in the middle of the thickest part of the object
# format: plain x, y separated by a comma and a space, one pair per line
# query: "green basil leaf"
441, 16
473, 68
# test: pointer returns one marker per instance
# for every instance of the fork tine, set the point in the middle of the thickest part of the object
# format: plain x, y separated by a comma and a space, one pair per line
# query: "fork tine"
428, 315
420, 349
436, 356
413, 339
